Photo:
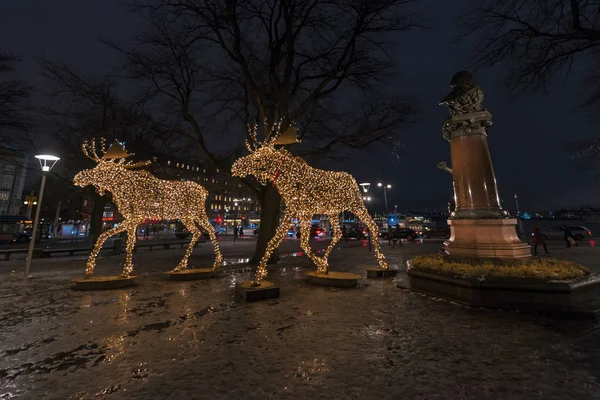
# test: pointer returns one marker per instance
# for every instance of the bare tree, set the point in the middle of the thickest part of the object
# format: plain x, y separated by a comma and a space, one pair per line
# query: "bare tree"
538, 40
83, 107
15, 116
541, 40
274, 60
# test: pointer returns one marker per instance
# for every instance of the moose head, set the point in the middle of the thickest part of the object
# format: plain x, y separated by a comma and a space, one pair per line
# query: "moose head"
265, 160
109, 166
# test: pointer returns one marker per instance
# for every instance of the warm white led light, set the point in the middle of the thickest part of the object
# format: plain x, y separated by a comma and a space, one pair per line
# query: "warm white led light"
140, 196
306, 191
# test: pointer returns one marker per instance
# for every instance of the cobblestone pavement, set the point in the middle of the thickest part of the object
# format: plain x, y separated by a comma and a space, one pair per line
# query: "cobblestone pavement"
195, 340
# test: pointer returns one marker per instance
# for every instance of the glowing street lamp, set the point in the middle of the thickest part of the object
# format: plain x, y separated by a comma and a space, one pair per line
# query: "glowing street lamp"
30, 201
385, 189
365, 186
46, 162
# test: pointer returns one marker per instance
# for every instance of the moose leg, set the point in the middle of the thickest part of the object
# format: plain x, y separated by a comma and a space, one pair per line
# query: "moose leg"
131, 239
91, 264
362, 214
305, 225
191, 226
205, 223
286, 224
337, 234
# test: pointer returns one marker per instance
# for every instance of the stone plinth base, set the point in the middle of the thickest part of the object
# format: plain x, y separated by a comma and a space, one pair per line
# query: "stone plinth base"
571, 299
103, 282
266, 290
334, 279
381, 273
485, 239
192, 274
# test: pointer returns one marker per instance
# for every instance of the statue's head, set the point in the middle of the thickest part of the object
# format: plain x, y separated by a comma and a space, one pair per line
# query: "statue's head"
265, 160
462, 79
108, 166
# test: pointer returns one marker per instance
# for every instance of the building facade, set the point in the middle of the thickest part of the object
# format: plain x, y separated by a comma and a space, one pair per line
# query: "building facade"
13, 171
229, 203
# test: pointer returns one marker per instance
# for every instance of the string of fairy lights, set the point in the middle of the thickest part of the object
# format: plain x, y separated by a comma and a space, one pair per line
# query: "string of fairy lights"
140, 196
306, 191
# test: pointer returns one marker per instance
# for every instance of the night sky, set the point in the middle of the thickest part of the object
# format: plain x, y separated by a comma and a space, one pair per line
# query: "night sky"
527, 140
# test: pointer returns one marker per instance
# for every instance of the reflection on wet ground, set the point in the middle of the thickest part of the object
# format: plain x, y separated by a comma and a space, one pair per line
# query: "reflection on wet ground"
163, 339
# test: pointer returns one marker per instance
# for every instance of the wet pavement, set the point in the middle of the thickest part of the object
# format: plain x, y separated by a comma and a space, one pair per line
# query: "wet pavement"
195, 340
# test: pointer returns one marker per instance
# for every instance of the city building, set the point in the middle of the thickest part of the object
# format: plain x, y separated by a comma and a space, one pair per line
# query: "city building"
13, 171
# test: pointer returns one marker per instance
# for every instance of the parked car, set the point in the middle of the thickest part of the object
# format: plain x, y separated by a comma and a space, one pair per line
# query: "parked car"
20, 238
405, 233
557, 233
315, 232
356, 233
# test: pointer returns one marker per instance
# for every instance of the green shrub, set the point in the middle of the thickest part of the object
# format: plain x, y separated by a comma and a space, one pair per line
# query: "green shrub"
545, 268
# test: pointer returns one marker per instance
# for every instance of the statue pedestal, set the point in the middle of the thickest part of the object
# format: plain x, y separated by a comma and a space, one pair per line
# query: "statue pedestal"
485, 239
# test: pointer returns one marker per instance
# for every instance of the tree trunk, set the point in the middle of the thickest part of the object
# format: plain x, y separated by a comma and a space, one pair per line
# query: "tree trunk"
269, 221
96, 217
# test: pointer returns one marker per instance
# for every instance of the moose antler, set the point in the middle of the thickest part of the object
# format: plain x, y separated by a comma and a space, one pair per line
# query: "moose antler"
89, 150
252, 142
275, 132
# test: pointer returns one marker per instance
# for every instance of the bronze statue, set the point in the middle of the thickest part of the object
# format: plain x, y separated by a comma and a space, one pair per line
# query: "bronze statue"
466, 97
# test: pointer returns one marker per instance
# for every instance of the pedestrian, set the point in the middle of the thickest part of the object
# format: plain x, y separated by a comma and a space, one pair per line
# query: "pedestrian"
398, 234
235, 233
569, 236
241, 232
391, 238
538, 239
344, 235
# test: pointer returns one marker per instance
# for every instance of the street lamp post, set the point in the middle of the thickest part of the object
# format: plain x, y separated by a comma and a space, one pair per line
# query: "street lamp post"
365, 187
385, 189
30, 201
46, 162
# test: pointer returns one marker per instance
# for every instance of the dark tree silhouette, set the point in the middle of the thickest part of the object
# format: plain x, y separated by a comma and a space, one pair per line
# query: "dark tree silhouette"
541, 40
322, 64
84, 107
538, 40
15, 109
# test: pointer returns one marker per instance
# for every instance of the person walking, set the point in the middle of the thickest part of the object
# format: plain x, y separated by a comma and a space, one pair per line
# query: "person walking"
391, 238
235, 233
398, 234
538, 239
241, 232
569, 236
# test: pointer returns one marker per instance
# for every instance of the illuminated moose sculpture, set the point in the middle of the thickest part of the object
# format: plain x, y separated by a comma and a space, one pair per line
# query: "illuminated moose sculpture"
306, 191
140, 196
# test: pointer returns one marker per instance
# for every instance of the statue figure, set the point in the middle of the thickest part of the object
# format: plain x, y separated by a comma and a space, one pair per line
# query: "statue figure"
480, 228
444, 167
466, 97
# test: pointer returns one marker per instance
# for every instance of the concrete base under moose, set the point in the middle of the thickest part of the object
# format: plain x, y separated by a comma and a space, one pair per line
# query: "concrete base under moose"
192, 274
572, 299
334, 279
485, 239
266, 290
381, 273
103, 282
